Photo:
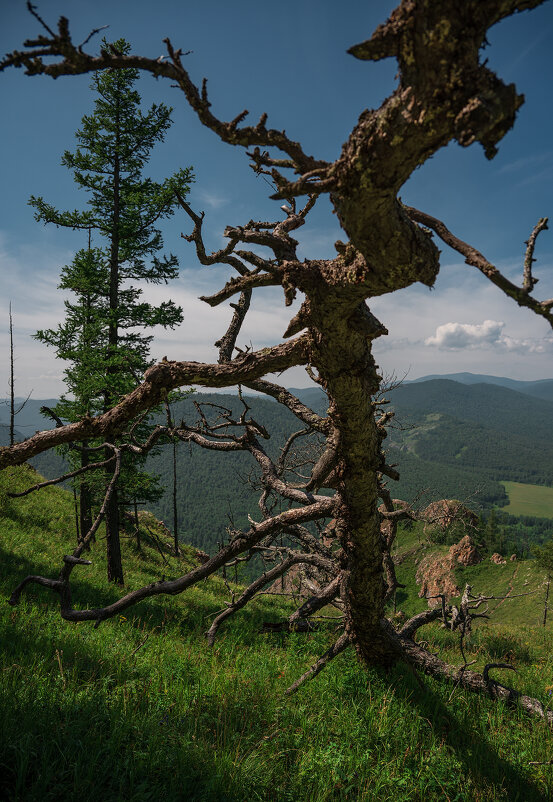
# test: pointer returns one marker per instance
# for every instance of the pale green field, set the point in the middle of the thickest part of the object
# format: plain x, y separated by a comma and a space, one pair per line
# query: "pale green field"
529, 499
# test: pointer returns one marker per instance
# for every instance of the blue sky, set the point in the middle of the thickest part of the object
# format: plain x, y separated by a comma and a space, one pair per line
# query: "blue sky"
290, 60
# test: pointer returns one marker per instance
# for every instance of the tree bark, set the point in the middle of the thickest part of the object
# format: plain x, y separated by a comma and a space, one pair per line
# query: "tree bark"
341, 353
85, 496
445, 92
113, 545
12, 385
175, 513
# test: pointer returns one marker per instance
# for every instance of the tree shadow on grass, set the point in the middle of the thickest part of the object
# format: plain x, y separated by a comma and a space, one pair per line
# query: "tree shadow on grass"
480, 759
106, 728
91, 593
78, 724
192, 611
93, 751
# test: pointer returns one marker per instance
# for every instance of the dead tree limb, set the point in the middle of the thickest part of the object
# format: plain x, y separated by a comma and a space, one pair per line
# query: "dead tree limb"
473, 257
342, 643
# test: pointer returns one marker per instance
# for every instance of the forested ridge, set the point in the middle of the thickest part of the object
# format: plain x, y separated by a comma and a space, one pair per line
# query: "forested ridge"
448, 439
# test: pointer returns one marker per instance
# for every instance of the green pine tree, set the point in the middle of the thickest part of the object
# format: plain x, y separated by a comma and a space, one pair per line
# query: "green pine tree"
103, 334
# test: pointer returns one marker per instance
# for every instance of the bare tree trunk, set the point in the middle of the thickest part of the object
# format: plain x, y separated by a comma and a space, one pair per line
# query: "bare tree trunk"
546, 600
113, 544
12, 384
444, 93
175, 514
342, 356
137, 526
76, 507
85, 496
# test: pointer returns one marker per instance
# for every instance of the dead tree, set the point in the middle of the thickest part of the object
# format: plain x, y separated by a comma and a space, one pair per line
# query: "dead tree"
13, 411
444, 93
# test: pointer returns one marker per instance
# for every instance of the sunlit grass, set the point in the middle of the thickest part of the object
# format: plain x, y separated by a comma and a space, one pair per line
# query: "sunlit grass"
140, 708
525, 499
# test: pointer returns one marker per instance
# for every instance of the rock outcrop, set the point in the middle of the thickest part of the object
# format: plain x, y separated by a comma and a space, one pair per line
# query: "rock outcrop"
439, 516
465, 552
436, 574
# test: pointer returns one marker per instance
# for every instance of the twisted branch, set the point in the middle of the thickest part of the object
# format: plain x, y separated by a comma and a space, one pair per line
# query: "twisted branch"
473, 257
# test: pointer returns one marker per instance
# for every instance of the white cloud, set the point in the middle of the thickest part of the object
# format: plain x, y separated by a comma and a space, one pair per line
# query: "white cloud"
414, 314
529, 346
466, 335
452, 336
522, 348
212, 199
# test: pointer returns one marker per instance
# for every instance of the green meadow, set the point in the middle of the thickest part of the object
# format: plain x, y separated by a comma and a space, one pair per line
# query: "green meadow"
527, 499
140, 709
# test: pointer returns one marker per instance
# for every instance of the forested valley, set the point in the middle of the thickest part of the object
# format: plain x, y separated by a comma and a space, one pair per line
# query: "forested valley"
445, 441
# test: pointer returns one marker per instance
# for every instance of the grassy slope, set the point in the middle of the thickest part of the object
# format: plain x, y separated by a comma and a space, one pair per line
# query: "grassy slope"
525, 499
521, 580
140, 709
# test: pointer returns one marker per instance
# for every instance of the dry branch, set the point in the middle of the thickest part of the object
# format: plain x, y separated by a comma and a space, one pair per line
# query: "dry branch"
473, 257
342, 643
159, 380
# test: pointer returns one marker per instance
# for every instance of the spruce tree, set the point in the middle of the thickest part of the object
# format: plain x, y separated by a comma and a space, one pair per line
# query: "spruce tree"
81, 340
103, 334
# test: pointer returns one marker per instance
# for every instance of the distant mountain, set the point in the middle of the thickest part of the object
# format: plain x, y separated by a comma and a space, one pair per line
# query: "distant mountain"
491, 430
30, 419
314, 397
5, 435
494, 406
543, 388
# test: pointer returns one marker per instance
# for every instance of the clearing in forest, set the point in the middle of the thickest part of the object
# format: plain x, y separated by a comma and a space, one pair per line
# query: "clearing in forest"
529, 499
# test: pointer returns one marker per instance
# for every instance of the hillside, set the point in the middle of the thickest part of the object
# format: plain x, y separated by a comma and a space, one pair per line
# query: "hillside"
215, 488
494, 433
543, 388
449, 440
30, 419
498, 408
141, 709
519, 585
5, 435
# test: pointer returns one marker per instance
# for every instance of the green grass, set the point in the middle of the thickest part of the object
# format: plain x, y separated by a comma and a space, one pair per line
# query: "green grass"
529, 499
521, 581
140, 709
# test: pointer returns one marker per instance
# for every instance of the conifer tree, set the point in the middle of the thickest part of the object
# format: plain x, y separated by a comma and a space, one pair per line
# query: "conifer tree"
103, 334
81, 341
